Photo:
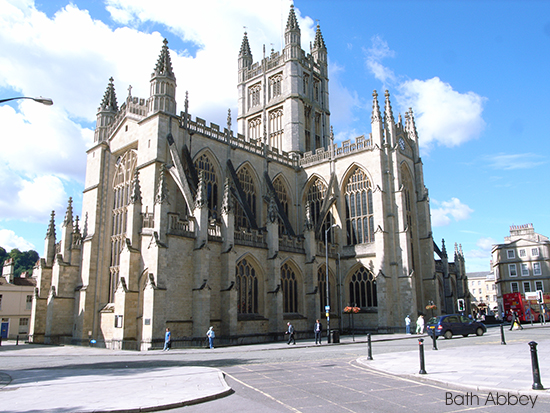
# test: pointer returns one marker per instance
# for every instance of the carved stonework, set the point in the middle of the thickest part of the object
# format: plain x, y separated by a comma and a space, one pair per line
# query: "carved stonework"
227, 204
308, 223
162, 193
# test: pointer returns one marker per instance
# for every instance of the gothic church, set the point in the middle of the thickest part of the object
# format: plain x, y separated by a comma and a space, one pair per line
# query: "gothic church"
188, 225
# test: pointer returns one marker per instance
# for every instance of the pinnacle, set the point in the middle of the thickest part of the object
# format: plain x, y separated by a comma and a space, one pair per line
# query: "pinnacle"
319, 42
292, 23
245, 47
164, 63
109, 102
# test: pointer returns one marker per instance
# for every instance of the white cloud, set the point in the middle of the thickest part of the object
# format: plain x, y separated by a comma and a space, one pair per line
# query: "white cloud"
504, 161
30, 199
443, 213
443, 115
9, 241
374, 56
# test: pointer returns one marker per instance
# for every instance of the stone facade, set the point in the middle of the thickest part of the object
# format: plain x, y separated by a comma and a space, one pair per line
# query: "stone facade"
15, 302
522, 263
188, 224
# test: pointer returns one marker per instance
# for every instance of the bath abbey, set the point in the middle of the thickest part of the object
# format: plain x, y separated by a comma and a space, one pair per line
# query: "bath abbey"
265, 220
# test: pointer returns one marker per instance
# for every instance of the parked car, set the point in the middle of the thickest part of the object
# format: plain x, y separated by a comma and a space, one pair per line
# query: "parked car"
454, 324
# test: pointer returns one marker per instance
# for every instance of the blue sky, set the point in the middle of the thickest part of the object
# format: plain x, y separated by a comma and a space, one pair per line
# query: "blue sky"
474, 72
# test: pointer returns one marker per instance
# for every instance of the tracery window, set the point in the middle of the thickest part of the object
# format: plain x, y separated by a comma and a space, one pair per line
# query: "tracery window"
122, 184
318, 131
322, 283
314, 198
282, 194
316, 89
276, 128
255, 128
254, 95
307, 127
247, 287
359, 209
362, 289
407, 189
275, 86
211, 181
289, 285
247, 185
305, 83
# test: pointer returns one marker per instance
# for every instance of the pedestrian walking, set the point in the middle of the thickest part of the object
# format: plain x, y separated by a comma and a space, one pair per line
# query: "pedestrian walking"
408, 324
515, 320
420, 324
167, 340
317, 329
211, 335
290, 333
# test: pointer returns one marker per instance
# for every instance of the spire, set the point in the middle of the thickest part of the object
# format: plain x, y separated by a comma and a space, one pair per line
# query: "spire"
163, 84
319, 42
245, 47
69, 214
443, 248
109, 103
292, 36
77, 236
375, 117
388, 112
412, 125
51, 228
292, 23
164, 63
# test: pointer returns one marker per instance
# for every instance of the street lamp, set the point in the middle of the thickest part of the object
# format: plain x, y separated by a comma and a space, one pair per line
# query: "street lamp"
327, 307
40, 99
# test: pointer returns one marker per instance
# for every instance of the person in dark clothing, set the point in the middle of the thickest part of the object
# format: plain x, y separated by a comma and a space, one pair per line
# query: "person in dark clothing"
317, 329
290, 333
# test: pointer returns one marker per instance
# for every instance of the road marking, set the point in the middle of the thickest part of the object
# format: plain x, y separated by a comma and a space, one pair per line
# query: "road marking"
264, 393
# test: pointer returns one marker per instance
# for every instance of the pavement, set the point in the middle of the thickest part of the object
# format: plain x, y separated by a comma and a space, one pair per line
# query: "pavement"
487, 367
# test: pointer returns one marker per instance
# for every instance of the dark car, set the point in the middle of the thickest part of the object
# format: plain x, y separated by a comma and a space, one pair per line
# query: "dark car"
454, 324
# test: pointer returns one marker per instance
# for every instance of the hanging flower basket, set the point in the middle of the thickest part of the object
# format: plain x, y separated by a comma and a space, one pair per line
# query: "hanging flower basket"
431, 307
350, 310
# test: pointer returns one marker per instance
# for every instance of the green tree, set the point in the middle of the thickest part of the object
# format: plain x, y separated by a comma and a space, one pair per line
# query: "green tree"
24, 261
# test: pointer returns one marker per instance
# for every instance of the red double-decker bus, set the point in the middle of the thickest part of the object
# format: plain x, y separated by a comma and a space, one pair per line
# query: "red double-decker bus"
524, 307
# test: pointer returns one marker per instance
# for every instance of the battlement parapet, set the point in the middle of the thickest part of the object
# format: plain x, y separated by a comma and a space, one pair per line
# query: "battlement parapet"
348, 147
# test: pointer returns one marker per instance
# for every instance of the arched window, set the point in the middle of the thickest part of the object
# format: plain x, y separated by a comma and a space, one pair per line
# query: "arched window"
276, 128
322, 282
280, 189
254, 95
255, 128
314, 198
359, 209
122, 184
247, 288
247, 185
210, 179
362, 289
275, 88
290, 289
408, 210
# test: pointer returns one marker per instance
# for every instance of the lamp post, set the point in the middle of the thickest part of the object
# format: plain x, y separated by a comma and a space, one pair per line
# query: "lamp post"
44, 101
327, 307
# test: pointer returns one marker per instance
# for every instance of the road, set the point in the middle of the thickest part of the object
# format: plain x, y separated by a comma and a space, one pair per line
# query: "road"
281, 378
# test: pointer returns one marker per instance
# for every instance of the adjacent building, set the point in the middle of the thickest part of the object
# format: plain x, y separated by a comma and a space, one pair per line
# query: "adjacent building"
483, 291
522, 263
188, 225
452, 281
15, 302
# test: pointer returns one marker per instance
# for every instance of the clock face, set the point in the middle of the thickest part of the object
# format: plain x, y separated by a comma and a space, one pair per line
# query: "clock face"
402, 144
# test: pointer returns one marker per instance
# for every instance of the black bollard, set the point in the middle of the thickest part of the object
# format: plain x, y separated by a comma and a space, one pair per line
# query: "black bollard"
502, 340
421, 350
537, 385
369, 348
434, 339
17, 340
